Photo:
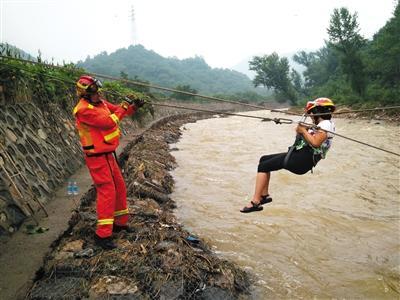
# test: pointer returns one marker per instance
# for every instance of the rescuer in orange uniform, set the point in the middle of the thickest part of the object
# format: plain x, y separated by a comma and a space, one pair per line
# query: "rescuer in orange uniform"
97, 123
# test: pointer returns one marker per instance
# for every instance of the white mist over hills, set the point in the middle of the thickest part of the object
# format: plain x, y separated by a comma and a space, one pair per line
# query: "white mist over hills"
243, 66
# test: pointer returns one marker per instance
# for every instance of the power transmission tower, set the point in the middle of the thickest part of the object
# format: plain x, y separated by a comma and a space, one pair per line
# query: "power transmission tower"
134, 37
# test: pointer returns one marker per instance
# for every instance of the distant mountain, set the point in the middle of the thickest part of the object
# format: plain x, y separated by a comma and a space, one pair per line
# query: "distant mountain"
243, 66
169, 72
10, 50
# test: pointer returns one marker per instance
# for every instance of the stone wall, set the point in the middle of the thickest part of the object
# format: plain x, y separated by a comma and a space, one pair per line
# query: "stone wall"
39, 148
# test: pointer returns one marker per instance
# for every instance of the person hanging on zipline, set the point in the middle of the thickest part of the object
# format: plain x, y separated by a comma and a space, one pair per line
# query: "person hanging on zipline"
310, 147
97, 123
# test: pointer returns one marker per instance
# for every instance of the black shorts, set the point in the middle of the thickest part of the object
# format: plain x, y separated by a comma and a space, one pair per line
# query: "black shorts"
300, 161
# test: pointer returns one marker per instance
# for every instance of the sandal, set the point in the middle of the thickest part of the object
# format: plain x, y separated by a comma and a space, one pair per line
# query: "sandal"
254, 207
265, 199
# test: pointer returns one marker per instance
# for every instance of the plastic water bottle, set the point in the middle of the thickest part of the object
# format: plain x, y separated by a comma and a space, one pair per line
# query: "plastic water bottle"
75, 188
70, 188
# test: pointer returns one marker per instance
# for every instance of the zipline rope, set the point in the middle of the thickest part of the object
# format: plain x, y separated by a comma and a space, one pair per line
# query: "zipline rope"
157, 87
347, 138
199, 95
276, 120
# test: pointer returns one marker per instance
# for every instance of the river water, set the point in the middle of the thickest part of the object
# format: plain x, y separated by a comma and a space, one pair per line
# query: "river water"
331, 234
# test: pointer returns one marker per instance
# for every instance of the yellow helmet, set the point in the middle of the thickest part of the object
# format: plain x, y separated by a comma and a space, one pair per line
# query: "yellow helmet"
88, 85
321, 102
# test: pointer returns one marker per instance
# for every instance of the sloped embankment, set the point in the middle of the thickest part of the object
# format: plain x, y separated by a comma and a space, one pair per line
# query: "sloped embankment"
160, 260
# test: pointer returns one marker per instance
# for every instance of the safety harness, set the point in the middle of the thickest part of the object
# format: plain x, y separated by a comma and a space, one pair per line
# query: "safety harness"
300, 143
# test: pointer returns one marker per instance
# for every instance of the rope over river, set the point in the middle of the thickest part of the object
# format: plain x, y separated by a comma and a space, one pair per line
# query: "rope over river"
333, 233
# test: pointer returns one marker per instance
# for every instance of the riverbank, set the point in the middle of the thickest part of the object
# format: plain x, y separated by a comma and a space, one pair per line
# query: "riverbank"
160, 259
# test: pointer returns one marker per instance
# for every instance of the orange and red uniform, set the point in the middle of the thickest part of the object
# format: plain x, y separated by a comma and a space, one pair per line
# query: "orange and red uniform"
99, 133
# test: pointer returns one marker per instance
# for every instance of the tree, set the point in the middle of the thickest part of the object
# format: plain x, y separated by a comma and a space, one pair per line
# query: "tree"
184, 88
344, 37
297, 81
321, 65
168, 72
384, 52
272, 72
304, 58
139, 88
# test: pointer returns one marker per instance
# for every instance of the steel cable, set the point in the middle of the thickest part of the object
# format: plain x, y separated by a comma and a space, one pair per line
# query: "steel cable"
347, 138
199, 95
276, 120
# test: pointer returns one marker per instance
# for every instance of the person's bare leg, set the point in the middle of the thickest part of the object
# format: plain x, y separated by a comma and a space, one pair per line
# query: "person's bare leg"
262, 181
265, 190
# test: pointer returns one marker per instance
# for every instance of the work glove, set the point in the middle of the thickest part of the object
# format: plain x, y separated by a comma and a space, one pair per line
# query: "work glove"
134, 99
125, 104
139, 102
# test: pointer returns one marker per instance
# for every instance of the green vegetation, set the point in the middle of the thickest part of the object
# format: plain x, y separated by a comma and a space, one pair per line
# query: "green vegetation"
138, 62
273, 72
349, 69
347, 43
53, 86
40, 83
184, 88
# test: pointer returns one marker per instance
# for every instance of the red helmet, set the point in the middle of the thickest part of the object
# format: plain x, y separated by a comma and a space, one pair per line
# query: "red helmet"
88, 85
322, 102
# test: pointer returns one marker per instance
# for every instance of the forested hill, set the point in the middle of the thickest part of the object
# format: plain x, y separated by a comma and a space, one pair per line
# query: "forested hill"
136, 61
350, 69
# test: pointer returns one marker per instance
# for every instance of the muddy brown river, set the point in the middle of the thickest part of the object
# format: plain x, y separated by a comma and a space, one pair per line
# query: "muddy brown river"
331, 234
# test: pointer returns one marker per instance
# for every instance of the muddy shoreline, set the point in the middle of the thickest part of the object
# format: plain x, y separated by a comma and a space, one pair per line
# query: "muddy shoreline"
160, 260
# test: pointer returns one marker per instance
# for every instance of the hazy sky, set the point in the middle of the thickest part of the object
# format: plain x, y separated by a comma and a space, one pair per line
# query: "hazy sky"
224, 32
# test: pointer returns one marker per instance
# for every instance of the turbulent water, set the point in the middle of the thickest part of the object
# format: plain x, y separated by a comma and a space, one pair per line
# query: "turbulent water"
330, 234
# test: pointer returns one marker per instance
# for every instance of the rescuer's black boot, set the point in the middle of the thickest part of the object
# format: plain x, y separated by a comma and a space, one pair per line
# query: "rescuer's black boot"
104, 243
126, 228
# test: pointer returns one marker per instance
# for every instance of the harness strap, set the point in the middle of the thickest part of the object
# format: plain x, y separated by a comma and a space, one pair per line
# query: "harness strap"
289, 153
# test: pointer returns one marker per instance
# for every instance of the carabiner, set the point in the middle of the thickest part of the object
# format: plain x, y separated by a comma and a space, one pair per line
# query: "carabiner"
283, 121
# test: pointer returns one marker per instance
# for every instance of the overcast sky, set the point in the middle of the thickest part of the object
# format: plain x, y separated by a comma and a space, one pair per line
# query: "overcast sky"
224, 32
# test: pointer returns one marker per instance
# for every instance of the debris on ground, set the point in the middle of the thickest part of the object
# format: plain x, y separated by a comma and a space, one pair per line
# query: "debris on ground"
33, 229
159, 260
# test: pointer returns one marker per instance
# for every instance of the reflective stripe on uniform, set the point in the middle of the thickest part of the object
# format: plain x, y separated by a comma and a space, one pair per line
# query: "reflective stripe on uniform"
115, 118
105, 222
76, 108
112, 135
121, 212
